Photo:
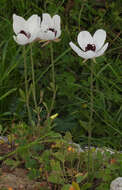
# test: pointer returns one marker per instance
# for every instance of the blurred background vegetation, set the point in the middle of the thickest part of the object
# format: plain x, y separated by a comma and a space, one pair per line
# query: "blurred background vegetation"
71, 74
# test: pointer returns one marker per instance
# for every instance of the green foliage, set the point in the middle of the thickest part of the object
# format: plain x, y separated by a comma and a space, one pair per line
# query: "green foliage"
59, 162
66, 187
56, 164
12, 163
56, 174
72, 76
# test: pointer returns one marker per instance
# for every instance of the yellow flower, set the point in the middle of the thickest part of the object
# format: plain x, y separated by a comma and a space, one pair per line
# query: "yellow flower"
54, 116
71, 149
84, 105
40, 169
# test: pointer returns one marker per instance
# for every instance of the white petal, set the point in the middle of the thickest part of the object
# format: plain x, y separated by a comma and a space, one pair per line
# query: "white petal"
19, 24
42, 36
47, 36
43, 31
85, 55
102, 50
90, 54
99, 38
57, 22
76, 48
46, 20
21, 39
44, 28
84, 38
58, 34
33, 24
33, 18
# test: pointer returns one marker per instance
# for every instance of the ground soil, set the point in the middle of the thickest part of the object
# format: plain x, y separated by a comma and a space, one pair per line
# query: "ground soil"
17, 178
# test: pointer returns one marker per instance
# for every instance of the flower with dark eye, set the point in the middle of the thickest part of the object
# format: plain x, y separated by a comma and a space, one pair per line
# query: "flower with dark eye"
50, 27
26, 31
91, 47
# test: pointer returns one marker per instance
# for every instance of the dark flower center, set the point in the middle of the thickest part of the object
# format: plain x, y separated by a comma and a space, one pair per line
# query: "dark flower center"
53, 30
91, 47
28, 35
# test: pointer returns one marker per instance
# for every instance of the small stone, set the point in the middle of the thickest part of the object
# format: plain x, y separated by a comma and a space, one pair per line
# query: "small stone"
116, 184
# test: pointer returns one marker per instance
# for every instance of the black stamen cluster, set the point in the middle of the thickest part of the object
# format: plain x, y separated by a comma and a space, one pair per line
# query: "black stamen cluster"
91, 47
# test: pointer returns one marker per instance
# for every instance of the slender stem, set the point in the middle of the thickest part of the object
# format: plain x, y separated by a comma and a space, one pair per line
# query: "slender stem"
34, 86
53, 81
26, 88
91, 117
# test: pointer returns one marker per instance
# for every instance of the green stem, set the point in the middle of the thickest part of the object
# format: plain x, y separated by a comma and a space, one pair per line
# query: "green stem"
34, 86
26, 88
91, 117
29, 145
53, 81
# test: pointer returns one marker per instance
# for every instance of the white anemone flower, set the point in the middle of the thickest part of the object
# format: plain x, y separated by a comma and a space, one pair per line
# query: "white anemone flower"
50, 27
26, 31
91, 47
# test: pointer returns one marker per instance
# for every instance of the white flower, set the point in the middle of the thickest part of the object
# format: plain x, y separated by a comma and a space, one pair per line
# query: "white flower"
26, 31
116, 184
91, 47
50, 27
